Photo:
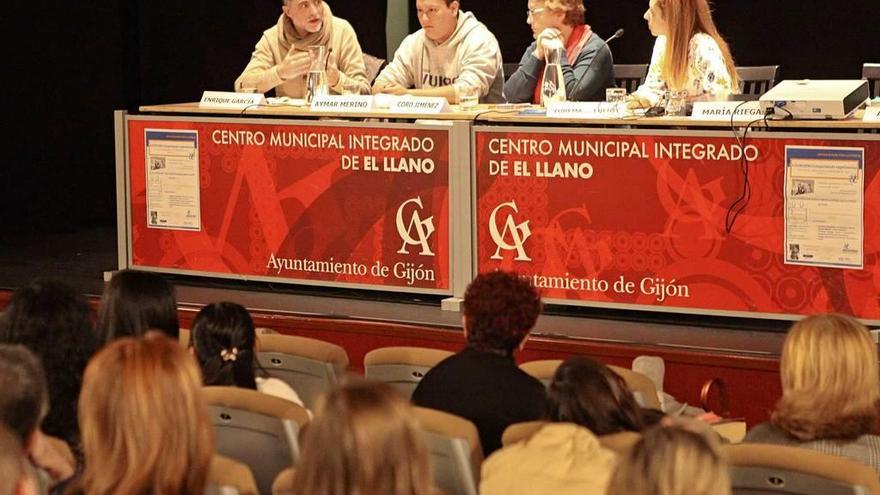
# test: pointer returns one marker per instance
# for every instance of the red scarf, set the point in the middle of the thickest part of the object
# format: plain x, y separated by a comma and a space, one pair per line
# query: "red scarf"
576, 42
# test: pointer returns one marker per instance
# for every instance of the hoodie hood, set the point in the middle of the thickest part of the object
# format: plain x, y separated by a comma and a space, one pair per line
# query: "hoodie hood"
466, 23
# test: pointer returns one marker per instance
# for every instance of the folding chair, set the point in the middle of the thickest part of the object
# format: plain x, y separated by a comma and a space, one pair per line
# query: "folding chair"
757, 80
454, 446
630, 76
309, 366
402, 367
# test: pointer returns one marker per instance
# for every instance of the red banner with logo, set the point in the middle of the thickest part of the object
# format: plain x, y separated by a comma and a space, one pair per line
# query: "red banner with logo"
637, 220
329, 204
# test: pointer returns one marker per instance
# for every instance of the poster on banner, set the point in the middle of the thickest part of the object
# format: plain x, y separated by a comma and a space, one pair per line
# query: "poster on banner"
172, 167
637, 220
327, 204
824, 206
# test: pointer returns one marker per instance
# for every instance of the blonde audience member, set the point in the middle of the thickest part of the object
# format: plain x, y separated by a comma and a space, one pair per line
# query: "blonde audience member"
830, 390
364, 441
223, 340
145, 427
671, 461
15, 475
585, 399
689, 54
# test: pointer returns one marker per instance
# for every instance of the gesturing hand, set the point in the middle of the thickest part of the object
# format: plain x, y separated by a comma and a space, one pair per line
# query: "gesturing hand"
295, 64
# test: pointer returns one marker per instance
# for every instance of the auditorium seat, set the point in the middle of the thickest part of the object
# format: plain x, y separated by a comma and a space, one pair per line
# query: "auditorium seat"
630, 76
454, 447
402, 367
758, 469
183, 337
283, 484
640, 385
617, 442
226, 473
309, 366
257, 429
757, 80
871, 72
373, 65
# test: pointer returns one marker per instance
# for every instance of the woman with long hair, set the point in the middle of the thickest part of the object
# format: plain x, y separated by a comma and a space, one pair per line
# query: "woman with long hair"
364, 440
134, 302
672, 461
145, 426
830, 390
690, 55
584, 400
223, 339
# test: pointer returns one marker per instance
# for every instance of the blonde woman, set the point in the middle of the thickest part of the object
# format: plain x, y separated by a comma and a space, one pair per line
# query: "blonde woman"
830, 390
671, 461
364, 441
587, 65
689, 55
145, 429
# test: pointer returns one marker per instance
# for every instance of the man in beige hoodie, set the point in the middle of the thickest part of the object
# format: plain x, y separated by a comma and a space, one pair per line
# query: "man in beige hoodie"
281, 59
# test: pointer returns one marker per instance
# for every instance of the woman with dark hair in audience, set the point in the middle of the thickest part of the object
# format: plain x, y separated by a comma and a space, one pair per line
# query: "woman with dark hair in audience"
53, 320
223, 340
830, 390
585, 400
134, 302
144, 423
672, 460
364, 441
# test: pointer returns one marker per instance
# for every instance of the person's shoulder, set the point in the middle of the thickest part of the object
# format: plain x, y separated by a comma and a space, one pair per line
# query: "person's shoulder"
766, 433
702, 42
342, 24
278, 388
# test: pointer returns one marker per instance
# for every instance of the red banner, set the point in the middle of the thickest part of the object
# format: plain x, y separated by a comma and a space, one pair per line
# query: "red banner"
637, 219
329, 204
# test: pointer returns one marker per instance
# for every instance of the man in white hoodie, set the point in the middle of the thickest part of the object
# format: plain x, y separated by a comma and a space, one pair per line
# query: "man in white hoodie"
452, 51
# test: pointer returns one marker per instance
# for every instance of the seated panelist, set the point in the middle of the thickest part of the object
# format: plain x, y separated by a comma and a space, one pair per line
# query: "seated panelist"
453, 51
281, 58
587, 65
689, 54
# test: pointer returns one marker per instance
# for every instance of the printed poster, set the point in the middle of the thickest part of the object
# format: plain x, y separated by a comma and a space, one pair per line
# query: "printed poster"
172, 164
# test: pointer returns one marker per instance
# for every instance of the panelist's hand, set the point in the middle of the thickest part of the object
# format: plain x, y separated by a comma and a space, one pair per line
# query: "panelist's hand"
295, 64
634, 102
390, 88
548, 38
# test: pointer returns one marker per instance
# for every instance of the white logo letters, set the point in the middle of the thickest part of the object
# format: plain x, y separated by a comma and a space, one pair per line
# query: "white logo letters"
423, 228
519, 233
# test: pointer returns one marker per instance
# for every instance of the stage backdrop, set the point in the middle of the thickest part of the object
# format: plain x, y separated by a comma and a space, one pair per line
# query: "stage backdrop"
316, 204
636, 219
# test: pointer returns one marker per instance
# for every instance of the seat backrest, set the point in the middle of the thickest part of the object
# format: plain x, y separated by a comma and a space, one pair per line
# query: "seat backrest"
640, 385
183, 337
509, 69
630, 76
454, 447
518, 432
871, 72
283, 484
543, 369
757, 80
374, 66
309, 366
758, 469
226, 473
256, 429
402, 367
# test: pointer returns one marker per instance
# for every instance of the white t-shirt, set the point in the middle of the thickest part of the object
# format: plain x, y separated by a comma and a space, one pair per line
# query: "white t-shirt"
278, 388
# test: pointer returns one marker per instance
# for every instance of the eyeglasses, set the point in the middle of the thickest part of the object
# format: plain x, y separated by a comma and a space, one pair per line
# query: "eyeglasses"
531, 12
429, 13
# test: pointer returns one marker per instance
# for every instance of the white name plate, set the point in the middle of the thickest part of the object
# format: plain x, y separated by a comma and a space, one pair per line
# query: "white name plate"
872, 114
344, 103
426, 105
231, 101
585, 110
722, 110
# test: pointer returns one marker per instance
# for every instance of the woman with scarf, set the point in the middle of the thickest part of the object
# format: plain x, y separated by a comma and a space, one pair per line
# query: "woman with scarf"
281, 58
587, 65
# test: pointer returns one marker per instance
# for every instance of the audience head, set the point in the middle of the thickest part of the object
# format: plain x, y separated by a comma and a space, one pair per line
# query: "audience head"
545, 14
438, 18
672, 461
500, 309
223, 338
15, 475
24, 399
134, 302
679, 21
588, 393
307, 16
377, 445
54, 321
830, 384
145, 427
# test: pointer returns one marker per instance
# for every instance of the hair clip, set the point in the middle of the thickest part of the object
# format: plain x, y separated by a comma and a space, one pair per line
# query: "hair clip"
229, 354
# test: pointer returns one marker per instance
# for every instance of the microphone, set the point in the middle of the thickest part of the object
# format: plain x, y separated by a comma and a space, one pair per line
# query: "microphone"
617, 34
